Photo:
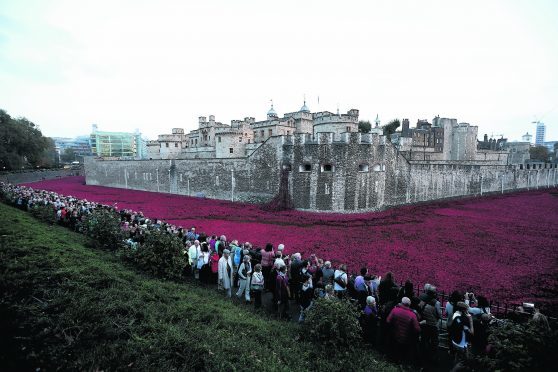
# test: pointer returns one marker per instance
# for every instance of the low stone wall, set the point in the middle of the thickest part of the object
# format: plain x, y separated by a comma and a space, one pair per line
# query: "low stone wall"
38, 175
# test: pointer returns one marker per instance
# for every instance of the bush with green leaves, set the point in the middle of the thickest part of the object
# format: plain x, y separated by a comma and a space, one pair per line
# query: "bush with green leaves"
103, 226
44, 213
519, 347
332, 322
162, 255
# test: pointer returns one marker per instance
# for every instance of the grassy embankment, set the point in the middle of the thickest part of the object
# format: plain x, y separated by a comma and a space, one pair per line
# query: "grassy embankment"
66, 305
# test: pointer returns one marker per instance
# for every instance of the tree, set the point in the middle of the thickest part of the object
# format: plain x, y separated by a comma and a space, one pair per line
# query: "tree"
68, 156
539, 153
364, 126
391, 127
22, 144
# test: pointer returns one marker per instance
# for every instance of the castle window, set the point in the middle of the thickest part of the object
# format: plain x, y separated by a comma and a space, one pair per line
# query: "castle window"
196, 141
166, 144
363, 167
176, 144
348, 129
240, 139
270, 131
305, 167
327, 168
262, 133
377, 168
248, 140
288, 133
520, 166
219, 139
208, 137
287, 167
231, 150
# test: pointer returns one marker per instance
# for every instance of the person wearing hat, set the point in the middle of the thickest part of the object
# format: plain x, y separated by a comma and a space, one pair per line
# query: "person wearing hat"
225, 274
244, 273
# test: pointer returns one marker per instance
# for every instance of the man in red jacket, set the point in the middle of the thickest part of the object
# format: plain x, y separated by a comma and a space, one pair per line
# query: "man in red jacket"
404, 331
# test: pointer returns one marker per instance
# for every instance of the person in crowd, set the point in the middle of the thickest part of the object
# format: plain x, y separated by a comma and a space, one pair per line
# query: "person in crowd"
460, 330
327, 274
479, 340
307, 295
214, 264
361, 288
540, 319
203, 259
455, 297
385, 289
431, 314
340, 281
191, 234
482, 305
329, 292
405, 329
192, 256
244, 274
317, 273
221, 244
295, 272
225, 274
257, 286
369, 320
408, 290
268, 256
282, 294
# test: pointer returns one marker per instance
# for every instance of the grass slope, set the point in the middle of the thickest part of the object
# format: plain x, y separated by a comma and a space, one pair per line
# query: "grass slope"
64, 305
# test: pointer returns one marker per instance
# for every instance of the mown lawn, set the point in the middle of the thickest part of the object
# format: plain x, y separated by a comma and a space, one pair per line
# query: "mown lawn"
65, 305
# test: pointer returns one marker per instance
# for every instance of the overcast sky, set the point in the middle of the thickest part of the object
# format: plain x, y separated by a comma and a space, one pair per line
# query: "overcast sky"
155, 65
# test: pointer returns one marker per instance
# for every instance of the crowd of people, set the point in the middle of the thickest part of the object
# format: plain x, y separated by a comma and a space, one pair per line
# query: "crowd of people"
403, 322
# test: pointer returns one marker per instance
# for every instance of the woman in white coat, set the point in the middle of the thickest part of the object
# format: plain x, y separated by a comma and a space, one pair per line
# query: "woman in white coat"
226, 272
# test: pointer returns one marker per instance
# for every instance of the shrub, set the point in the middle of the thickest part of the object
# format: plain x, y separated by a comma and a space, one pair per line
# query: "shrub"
103, 227
161, 254
519, 347
332, 323
44, 213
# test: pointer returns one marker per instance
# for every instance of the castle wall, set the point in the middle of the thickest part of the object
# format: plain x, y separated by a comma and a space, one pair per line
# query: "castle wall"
329, 172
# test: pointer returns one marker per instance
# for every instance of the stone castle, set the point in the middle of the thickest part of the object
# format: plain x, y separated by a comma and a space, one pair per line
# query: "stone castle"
332, 167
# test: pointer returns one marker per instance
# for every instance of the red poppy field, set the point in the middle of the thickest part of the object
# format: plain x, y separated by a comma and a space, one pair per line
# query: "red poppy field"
504, 246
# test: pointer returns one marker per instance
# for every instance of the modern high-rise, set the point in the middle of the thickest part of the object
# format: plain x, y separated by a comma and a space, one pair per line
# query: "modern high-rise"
117, 144
541, 131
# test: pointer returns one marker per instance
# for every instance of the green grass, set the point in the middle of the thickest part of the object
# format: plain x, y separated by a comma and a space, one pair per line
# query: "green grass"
65, 305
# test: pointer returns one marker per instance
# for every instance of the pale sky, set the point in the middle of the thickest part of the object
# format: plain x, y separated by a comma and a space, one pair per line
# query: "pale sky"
155, 65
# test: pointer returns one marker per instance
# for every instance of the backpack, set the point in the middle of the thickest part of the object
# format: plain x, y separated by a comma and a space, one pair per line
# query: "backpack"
456, 330
237, 251
340, 282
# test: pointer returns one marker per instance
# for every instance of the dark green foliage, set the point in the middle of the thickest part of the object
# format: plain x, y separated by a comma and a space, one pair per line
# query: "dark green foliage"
64, 307
539, 153
162, 255
103, 226
68, 156
364, 126
520, 347
44, 213
22, 144
333, 323
391, 127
